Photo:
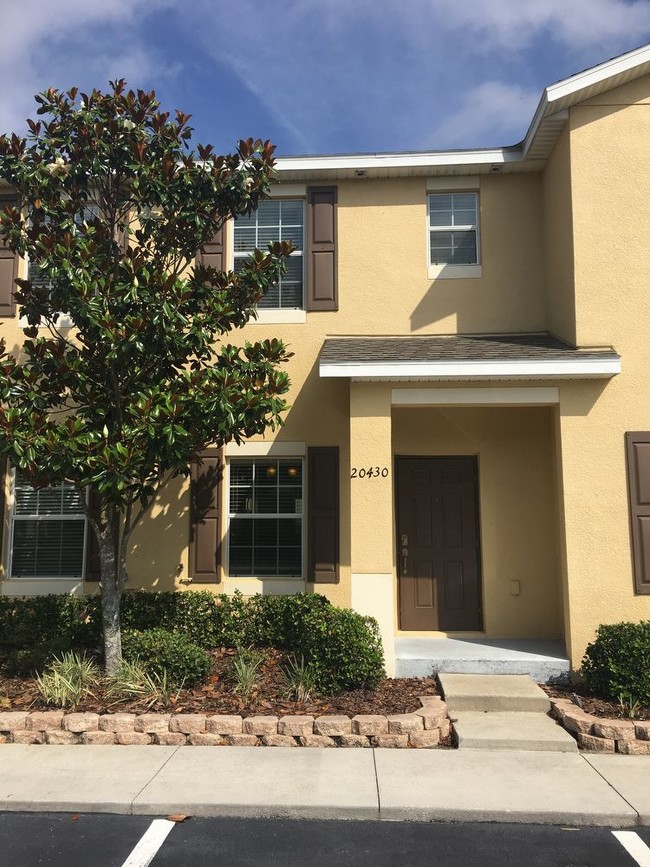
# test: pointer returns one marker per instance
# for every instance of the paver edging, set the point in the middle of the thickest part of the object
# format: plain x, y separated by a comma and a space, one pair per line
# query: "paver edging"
601, 735
414, 730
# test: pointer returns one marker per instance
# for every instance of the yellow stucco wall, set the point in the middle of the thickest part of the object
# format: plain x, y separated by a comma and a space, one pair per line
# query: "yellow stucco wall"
558, 242
610, 190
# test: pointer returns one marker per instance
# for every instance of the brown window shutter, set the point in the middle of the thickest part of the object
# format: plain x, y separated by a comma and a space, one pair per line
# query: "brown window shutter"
323, 514
8, 273
93, 567
204, 517
212, 255
322, 288
638, 478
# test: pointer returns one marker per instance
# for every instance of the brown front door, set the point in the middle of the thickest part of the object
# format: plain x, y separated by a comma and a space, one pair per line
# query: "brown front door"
438, 544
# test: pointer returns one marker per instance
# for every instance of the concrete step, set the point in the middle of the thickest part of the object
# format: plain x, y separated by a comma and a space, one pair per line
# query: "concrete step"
493, 692
511, 731
544, 660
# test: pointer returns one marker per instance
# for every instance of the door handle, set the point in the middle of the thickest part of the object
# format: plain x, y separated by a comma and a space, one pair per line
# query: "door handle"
405, 553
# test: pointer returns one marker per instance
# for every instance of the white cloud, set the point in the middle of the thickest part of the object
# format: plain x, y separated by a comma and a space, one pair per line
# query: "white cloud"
575, 23
45, 43
490, 105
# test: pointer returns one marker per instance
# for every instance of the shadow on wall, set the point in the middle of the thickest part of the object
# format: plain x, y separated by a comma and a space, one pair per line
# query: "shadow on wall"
159, 544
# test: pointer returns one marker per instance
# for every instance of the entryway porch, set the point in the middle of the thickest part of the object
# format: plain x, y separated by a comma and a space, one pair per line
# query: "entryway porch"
545, 660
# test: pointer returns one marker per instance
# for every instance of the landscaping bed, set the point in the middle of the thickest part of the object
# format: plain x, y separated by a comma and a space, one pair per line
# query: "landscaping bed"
216, 695
585, 700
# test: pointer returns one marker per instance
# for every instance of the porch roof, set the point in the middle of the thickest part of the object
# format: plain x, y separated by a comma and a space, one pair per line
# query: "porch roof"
460, 357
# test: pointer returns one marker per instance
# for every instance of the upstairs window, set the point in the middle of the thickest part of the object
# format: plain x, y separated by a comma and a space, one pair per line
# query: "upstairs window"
453, 229
275, 220
49, 529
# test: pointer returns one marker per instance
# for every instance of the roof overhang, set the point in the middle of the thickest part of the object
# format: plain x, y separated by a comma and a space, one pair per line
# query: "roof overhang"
471, 370
528, 155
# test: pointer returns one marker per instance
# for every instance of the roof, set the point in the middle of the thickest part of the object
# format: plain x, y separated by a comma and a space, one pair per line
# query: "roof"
464, 356
528, 155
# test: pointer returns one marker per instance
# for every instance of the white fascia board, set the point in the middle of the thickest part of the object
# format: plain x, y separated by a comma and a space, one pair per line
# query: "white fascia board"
575, 84
343, 162
598, 74
587, 368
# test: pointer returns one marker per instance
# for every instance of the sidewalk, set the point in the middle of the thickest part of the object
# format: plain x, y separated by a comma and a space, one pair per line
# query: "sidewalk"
427, 785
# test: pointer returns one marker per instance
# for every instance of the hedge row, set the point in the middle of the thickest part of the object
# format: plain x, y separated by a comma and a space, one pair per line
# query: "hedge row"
343, 647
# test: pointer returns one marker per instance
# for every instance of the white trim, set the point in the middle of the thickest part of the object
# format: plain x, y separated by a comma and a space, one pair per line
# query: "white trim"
480, 396
279, 316
444, 271
11, 503
587, 368
288, 191
342, 162
260, 581
598, 74
471, 183
41, 586
266, 586
262, 449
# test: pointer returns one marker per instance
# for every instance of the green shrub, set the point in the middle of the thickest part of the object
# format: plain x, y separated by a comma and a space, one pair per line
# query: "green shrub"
208, 620
72, 621
28, 661
170, 653
342, 648
616, 665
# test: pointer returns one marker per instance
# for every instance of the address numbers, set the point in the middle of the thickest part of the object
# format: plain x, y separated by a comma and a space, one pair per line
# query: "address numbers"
369, 473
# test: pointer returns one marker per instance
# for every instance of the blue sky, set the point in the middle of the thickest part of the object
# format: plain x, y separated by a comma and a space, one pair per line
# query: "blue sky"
320, 76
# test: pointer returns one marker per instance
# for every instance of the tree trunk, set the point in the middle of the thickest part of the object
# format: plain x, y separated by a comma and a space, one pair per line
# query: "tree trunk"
110, 593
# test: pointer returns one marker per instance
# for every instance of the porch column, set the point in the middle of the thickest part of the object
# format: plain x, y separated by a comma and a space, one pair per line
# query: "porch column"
371, 502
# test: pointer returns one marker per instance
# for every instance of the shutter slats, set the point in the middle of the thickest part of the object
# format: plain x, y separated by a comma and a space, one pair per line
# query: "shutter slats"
8, 273
204, 517
322, 289
323, 514
638, 476
212, 255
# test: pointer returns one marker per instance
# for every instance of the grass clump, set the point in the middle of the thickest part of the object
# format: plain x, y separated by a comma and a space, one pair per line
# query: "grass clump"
68, 679
243, 670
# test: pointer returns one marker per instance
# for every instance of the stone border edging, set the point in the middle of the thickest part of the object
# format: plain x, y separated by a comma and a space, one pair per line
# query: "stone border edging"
422, 729
602, 735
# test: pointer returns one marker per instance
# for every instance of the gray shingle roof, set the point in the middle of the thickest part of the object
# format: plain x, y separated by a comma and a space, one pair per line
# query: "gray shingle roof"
457, 347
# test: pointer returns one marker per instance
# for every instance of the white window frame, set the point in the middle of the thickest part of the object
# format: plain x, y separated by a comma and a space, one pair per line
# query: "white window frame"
280, 314
249, 459
14, 518
445, 270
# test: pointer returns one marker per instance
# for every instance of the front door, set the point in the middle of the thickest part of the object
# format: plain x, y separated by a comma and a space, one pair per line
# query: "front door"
438, 544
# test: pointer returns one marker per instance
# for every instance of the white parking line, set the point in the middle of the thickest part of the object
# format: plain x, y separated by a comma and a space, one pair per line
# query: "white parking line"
149, 843
634, 846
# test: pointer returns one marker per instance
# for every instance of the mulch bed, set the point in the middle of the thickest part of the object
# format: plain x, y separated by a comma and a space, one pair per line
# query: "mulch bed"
592, 704
399, 695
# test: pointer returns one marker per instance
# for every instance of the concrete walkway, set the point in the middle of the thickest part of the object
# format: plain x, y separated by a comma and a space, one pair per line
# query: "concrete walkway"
425, 785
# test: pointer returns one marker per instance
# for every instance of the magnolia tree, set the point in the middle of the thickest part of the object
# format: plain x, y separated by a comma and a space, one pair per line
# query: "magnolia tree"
123, 376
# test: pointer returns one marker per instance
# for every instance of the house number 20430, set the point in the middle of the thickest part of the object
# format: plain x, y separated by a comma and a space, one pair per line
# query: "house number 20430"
369, 472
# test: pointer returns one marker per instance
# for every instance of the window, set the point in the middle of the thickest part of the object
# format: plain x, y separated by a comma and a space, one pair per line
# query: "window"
453, 229
265, 518
275, 220
34, 271
48, 531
